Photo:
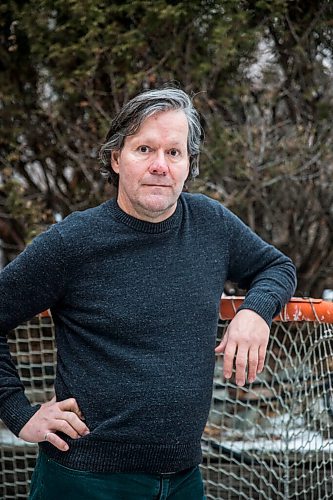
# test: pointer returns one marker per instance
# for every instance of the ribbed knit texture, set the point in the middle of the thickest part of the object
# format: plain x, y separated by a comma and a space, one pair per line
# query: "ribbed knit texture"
135, 305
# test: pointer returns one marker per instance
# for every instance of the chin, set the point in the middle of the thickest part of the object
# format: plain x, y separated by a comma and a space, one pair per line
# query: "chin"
158, 204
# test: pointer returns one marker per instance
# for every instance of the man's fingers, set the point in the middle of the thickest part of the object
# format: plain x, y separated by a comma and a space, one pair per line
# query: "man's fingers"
69, 404
229, 354
244, 344
64, 416
64, 427
241, 363
252, 364
74, 421
261, 358
68, 423
251, 360
221, 347
56, 441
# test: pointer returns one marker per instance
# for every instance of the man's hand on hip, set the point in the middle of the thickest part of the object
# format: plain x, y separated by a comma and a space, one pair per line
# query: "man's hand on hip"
244, 341
53, 416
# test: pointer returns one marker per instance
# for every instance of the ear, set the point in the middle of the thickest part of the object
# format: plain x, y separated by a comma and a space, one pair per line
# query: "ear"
115, 160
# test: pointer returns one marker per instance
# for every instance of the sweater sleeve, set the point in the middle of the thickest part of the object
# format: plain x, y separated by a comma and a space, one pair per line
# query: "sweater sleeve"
267, 274
30, 284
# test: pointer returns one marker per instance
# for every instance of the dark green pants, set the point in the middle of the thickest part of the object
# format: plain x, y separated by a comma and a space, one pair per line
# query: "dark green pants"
52, 481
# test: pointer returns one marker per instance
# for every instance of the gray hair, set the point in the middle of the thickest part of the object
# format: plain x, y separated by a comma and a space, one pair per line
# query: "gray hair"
134, 112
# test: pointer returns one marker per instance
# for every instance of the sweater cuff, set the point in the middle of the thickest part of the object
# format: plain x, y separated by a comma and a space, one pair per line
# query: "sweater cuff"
17, 411
264, 305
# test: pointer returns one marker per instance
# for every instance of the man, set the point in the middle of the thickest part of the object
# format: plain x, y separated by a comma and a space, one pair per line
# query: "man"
134, 287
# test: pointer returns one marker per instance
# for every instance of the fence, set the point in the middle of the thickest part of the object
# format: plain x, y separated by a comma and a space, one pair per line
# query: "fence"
272, 439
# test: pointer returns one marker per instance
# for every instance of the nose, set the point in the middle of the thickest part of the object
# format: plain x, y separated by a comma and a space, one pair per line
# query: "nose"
159, 165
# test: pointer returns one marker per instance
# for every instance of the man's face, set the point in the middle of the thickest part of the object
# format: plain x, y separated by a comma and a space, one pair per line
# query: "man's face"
153, 166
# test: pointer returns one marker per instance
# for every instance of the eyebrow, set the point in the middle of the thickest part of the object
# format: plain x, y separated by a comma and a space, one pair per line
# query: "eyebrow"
143, 140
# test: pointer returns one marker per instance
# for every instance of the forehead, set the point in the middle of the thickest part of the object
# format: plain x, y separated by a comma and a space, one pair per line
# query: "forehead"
170, 125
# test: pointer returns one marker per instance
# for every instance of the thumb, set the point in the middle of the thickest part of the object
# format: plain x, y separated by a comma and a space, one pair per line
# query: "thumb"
221, 347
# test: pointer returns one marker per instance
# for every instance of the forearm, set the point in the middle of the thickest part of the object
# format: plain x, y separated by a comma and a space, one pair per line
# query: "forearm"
267, 274
15, 408
271, 289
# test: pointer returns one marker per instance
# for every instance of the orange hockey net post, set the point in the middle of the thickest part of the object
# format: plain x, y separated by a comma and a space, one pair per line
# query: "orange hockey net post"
296, 310
273, 439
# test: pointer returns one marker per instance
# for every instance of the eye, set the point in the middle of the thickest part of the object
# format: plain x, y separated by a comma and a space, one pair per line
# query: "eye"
144, 149
174, 152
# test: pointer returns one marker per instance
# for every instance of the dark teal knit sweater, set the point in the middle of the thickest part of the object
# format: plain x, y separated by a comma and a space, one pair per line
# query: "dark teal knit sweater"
135, 305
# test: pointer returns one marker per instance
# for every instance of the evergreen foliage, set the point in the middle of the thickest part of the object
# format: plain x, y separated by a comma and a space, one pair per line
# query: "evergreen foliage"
261, 75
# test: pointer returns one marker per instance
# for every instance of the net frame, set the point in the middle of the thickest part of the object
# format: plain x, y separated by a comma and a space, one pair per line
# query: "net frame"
272, 439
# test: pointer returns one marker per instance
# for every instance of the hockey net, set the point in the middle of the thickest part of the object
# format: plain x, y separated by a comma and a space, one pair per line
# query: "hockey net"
272, 439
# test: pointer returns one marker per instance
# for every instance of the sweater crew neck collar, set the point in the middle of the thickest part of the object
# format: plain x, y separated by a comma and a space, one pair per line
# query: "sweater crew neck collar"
142, 225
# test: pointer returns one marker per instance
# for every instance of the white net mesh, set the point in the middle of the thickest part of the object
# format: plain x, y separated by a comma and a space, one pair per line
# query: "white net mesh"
33, 349
272, 439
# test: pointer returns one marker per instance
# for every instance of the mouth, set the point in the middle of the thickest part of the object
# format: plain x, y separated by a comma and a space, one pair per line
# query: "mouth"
158, 185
